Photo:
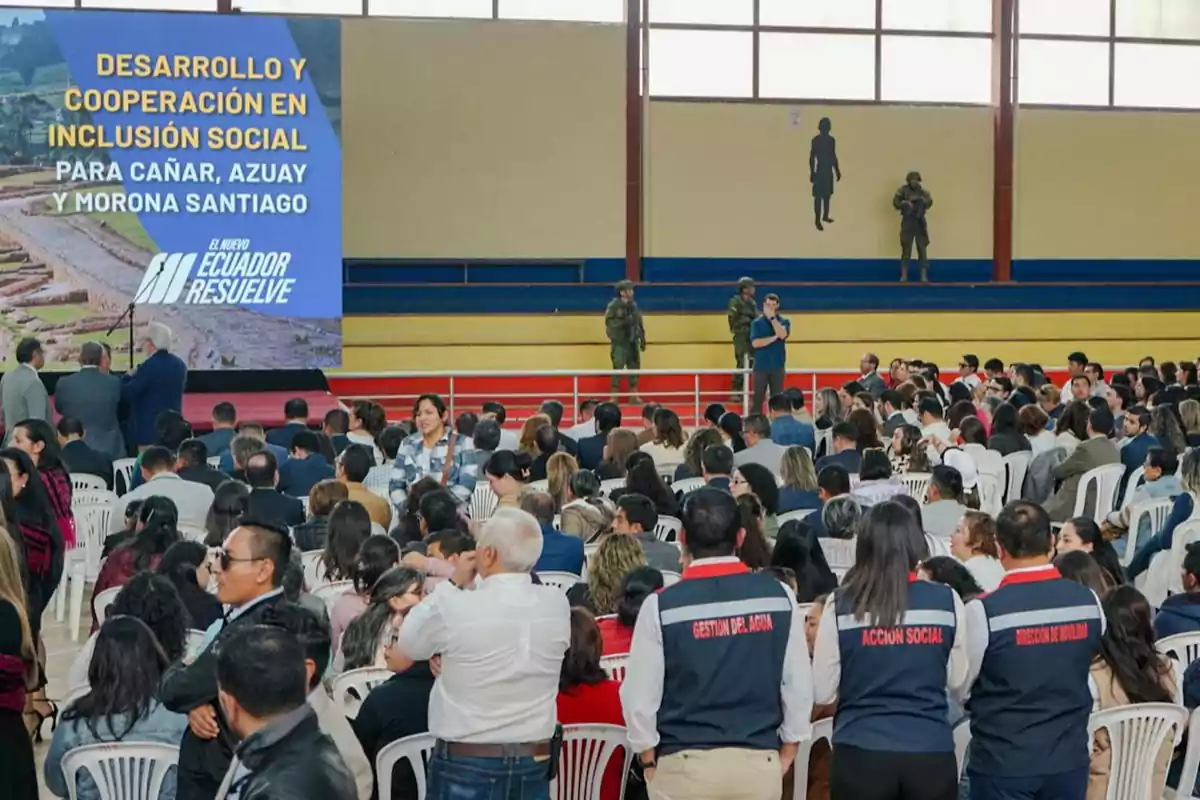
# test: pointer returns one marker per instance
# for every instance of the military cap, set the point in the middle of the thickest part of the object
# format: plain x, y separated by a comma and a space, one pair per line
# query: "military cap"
623, 285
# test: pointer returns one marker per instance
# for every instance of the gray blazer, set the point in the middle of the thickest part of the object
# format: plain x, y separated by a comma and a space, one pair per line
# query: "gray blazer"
1087, 456
23, 396
92, 396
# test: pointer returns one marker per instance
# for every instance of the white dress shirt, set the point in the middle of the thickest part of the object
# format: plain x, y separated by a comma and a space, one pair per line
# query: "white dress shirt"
827, 655
502, 647
508, 440
582, 431
642, 689
192, 500
987, 571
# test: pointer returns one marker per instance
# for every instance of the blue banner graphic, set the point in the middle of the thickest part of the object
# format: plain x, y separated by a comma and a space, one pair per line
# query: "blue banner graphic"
190, 161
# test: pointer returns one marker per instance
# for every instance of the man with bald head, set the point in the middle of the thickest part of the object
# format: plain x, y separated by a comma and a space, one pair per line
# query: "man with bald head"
249, 570
92, 396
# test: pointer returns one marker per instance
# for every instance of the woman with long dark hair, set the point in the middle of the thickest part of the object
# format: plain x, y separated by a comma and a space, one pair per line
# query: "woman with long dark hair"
508, 472
121, 704
888, 648
667, 446
641, 477
1082, 533
186, 566
367, 636
1007, 437
349, 527
868, 430
229, 505
377, 555
1129, 670
693, 455
620, 445
798, 549
616, 630
18, 665
157, 530
731, 430
754, 551
586, 695
322, 497
751, 478
39, 441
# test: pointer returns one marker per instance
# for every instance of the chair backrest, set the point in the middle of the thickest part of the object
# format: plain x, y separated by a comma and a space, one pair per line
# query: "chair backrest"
1131, 485
93, 497
666, 472
561, 580
1191, 756
556, 523
667, 528
687, 485
93, 517
821, 729
1103, 483
194, 533
839, 553
377, 479
539, 486
195, 639
82, 480
123, 468
991, 494
483, 501
1184, 535
311, 561
103, 600
608, 485
349, 689
122, 771
962, 738
802, 513
377, 529
1137, 733
937, 545
330, 592
615, 665
416, 749
586, 753
917, 484
1184, 647
214, 462
1157, 511
1016, 465
670, 578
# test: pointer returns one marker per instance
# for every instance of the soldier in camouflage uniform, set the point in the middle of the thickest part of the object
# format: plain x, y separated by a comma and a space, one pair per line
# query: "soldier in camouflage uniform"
912, 200
626, 337
741, 313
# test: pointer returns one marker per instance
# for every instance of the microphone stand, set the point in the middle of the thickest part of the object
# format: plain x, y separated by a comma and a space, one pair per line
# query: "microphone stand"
129, 310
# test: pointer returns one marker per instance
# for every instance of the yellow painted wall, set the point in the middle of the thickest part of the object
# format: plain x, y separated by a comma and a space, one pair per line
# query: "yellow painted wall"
482, 140
819, 341
731, 179
1105, 184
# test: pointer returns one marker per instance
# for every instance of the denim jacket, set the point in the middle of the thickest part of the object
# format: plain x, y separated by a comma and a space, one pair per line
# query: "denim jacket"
159, 725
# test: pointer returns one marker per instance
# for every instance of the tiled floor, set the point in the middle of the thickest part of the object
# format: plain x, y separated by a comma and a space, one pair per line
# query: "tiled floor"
60, 652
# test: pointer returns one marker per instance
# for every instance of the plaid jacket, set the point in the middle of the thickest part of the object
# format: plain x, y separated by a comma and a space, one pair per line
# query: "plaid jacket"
414, 462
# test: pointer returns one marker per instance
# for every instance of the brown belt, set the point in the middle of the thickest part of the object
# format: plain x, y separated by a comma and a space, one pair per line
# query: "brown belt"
519, 750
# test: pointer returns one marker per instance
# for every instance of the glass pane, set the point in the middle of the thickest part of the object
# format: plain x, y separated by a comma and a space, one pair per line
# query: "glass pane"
330, 7
938, 15
474, 9
154, 5
568, 10
818, 13
701, 63
703, 12
1157, 76
1063, 73
817, 66
1076, 17
1159, 19
920, 69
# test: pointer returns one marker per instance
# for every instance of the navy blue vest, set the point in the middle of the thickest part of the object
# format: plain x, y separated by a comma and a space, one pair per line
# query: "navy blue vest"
724, 641
1029, 707
892, 692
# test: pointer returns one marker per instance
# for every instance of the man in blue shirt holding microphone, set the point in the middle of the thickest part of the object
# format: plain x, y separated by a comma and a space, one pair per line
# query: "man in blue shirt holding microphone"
767, 336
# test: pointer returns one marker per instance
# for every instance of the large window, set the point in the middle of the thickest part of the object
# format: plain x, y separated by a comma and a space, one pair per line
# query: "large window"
936, 70
1067, 73
474, 9
818, 13
1152, 76
1071, 17
702, 12
565, 10
817, 66
688, 63
1158, 19
964, 16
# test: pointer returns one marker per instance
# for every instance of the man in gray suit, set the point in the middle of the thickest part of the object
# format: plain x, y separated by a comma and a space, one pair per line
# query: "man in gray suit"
22, 393
870, 380
1097, 451
759, 447
92, 396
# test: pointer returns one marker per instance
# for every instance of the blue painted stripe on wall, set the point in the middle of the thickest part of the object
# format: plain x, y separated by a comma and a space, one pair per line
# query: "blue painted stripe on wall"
427, 271
806, 270
378, 300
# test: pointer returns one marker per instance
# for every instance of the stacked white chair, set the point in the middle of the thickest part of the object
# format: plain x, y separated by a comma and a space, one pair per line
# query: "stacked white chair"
124, 771
821, 729
377, 480
1157, 512
123, 468
917, 484
615, 665
483, 502
417, 750
330, 592
667, 528
559, 580
81, 481
586, 753
1137, 734
102, 601
1016, 466
93, 511
349, 689
687, 485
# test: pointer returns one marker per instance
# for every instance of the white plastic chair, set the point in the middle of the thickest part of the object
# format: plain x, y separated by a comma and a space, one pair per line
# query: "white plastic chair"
311, 561
687, 485
609, 485
539, 486
670, 578
377, 529
821, 729
1102, 482
800, 514
1016, 466
195, 640
1183, 647
122, 771
103, 600
81, 481
93, 511
1137, 733
1163, 578
667, 528
1131, 486
937, 545
193, 533
416, 749
377, 480
557, 522
1191, 762
349, 689
962, 738
586, 753
991, 494
123, 467
839, 554
1157, 511
559, 580
917, 484
330, 592
214, 462
615, 665
483, 501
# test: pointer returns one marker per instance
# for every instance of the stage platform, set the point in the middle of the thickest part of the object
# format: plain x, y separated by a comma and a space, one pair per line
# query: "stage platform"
262, 407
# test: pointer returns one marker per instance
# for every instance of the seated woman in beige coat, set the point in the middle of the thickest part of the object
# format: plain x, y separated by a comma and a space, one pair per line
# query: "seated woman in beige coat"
1128, 670
585, 513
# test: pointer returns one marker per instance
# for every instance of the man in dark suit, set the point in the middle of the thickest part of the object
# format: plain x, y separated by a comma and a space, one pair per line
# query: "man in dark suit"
192, 465
892, 405
591, 448
92, 397
336, 423
844, 454
1138, 441
156, 386
266, 501
554, 410
78, 456
305, 467
833, 481
224, 420
295, 415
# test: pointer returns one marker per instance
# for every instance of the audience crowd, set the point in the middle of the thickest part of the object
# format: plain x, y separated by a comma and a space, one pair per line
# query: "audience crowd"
913, 554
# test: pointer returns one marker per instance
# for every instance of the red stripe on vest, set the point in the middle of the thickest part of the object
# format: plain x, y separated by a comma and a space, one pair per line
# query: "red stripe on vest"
715, 570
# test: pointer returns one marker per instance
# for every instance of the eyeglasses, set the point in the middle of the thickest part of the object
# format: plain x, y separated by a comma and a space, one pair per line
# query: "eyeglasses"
225, 559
